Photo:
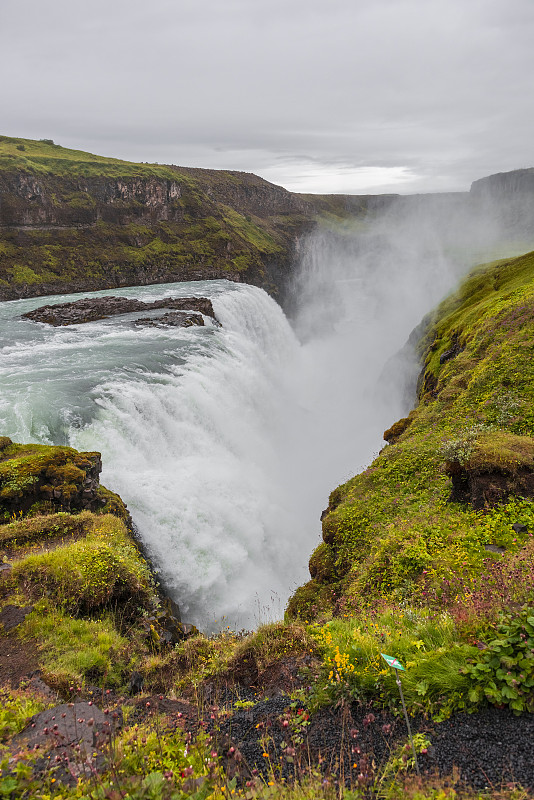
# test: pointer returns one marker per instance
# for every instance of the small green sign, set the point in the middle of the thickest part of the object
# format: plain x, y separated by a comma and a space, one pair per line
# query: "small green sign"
392, 662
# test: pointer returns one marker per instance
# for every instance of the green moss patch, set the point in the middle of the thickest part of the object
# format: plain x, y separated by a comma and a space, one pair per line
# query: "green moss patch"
101, 569
74, 650
23, 532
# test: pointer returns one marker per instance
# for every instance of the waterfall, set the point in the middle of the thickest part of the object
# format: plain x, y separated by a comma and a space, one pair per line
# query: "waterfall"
196, 457
226, 441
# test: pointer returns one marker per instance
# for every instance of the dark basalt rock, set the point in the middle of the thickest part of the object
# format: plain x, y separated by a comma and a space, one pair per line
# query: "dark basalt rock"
73, 739
136, 683
174, 319
518, 527
90, 309
495, 548
50, 479
453, 351
5, 570
488, 489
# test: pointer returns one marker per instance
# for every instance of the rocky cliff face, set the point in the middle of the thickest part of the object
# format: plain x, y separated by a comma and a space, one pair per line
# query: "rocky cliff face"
508, 197
71, 221
30, 200
505, 183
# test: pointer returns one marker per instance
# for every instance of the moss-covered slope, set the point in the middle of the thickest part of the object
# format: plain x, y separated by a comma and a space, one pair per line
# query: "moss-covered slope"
444, 497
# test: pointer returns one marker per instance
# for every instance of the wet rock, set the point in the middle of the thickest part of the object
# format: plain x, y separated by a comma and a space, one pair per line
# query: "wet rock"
171, 607
188, 629
164, 625
519, 528
90, 309
37, 684
136, 683
5, 570
453, 351
174, 319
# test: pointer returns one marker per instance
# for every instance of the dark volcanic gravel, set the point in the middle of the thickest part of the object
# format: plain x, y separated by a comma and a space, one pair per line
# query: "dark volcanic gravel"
487, 749
490, 747
341, 743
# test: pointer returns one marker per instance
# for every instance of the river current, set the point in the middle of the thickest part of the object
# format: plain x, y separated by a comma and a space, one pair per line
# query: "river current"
226, 441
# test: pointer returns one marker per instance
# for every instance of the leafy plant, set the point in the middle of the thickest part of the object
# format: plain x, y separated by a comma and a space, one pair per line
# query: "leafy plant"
504, 672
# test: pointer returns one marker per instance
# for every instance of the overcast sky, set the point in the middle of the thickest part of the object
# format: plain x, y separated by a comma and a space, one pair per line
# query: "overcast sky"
316, 95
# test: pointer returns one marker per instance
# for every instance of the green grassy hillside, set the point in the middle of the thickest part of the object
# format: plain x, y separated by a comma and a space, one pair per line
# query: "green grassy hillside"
43, 157
71, 220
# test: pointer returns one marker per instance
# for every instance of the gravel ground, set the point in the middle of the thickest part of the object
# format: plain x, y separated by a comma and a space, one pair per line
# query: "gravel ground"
488, 749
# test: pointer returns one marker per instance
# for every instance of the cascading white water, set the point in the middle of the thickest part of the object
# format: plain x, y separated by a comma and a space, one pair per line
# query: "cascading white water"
188, 423
226, 441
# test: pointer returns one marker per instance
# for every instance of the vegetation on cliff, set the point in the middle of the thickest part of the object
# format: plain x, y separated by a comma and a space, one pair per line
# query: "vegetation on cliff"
72, 221
459, 474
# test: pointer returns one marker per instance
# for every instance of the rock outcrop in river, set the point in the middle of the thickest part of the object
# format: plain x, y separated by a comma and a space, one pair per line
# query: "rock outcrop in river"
90, 309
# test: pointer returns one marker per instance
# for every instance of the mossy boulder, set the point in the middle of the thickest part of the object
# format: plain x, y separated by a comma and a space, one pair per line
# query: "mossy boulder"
489, 469
36, 479
312, 601
397, 429
322, 563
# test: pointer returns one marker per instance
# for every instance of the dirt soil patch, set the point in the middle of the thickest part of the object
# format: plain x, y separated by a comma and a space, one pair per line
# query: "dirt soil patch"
18, 660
